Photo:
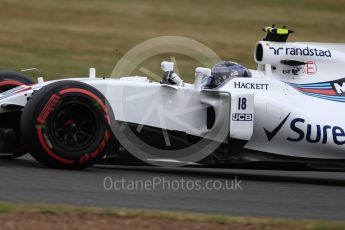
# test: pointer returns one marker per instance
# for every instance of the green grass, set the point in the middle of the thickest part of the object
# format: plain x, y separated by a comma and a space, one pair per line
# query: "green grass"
8, 208
66, 37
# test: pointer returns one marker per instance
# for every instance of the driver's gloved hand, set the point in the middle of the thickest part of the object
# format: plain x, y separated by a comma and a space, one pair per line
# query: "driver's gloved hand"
170, 77
166, 78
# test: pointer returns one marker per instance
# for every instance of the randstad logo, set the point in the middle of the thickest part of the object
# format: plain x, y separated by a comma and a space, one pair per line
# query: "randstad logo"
310, 52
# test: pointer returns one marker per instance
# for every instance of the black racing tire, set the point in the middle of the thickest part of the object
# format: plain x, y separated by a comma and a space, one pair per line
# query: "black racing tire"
66, 125
9, 80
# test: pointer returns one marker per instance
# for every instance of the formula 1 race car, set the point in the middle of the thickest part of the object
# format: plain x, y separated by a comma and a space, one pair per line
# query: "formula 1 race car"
290, 109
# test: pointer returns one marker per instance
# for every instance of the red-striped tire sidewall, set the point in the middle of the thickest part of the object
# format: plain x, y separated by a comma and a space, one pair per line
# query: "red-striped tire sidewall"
44, 102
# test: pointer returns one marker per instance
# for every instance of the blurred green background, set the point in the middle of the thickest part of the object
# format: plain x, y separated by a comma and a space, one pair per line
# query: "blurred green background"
63, 38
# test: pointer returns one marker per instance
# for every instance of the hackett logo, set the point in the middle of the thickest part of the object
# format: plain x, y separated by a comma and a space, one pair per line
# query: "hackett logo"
310, 52
246, 85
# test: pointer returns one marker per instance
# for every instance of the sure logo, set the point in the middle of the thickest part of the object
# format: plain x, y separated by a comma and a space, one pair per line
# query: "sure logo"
316, 133
309, 132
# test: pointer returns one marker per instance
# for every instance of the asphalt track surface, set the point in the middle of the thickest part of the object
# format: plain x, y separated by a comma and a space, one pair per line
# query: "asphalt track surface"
287, 194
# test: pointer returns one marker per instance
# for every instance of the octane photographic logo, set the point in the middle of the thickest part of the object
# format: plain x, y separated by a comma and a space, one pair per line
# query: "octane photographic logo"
156, 105
167, 184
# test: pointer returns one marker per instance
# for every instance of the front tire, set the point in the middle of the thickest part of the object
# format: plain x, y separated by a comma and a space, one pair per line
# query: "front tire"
66, 125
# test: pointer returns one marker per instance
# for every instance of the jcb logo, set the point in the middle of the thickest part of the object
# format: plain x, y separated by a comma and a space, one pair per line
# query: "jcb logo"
242, 117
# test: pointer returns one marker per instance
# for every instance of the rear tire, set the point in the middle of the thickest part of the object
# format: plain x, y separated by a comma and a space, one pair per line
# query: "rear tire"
12, 79
66, 125
9, 80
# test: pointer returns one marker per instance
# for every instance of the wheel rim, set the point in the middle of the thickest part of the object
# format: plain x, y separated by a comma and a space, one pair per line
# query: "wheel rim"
74, 125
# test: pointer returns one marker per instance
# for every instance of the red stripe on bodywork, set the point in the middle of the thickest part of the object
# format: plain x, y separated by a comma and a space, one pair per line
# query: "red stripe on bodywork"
23, 90
319, 91
49, 151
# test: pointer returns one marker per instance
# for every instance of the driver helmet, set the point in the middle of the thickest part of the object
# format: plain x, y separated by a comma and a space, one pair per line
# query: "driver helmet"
223, 72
